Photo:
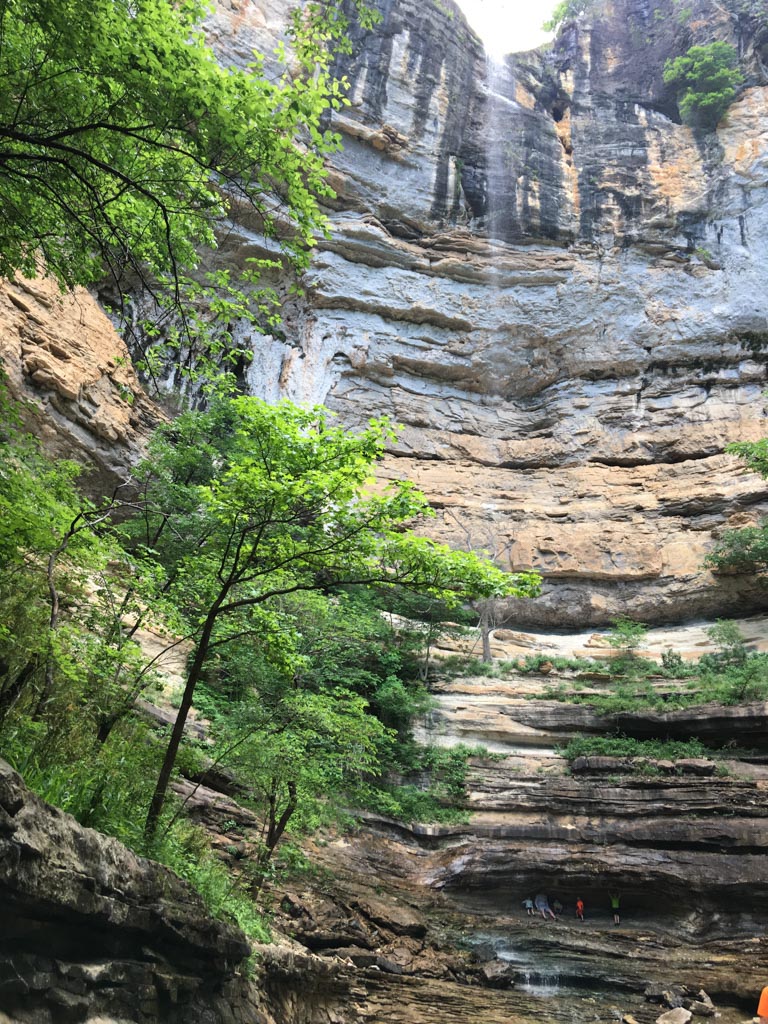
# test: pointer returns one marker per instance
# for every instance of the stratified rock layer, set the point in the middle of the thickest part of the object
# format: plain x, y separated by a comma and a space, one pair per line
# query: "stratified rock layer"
554, 286
91, 929
80, 394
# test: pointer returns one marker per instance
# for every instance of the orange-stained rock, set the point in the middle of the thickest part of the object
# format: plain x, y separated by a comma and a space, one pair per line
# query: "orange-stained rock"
65, 360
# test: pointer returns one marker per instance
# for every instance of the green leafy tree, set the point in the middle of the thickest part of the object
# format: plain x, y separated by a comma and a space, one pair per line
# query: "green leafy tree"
706, 79
296, 751
626, 636
311, 709
70, 601
732, 672
48, 545
729, 641
566, 10
248, 502
69, 671
124, 142
744, 550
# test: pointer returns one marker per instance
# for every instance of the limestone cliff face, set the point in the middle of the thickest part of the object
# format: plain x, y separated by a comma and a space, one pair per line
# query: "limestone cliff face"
554, 286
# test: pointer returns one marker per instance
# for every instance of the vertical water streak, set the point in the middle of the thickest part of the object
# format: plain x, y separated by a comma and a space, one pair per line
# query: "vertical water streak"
500, 155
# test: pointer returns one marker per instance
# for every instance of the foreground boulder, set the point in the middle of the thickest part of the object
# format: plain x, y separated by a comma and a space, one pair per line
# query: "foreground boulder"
90, 928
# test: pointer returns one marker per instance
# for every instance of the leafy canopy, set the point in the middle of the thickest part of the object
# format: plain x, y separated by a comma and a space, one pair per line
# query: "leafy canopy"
123, 141
744, 550
251, 530
706, 79
249, 502
566, 10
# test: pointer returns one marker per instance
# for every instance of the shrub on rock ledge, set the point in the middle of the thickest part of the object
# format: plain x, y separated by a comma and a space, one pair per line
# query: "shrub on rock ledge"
706, 79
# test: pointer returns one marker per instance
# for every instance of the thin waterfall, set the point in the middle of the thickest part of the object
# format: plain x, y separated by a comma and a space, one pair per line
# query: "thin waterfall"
501, 157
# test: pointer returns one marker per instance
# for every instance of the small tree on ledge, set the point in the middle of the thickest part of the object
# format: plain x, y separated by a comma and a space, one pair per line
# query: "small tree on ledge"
706, 79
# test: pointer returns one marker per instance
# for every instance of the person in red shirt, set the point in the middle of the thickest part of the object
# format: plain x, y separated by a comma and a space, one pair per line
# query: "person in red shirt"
580, 908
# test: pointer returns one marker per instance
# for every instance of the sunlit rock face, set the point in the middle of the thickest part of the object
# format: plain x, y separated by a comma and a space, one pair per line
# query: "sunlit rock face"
79, 392
554, 287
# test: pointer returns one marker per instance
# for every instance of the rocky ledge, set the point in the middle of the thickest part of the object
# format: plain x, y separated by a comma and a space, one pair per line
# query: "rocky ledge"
408, 924
90, 929
73, 375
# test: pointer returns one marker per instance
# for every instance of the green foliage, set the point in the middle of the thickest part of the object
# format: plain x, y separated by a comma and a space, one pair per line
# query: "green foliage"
626, 746
115, 117
247, 503
565, 11
673, 666
104, 787
101, 785
125, 143
256, 536
626, 635
444, 9
186, 850
463, 665
441, 792
729, 641
735, 682
744, 550
741, 551
535, 662
64, 652
706, 79
411, 804
627, 693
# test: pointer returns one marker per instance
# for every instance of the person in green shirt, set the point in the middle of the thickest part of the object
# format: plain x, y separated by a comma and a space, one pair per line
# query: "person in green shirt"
615, 901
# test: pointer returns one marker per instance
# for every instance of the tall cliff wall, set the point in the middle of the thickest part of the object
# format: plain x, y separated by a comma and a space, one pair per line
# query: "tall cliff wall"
550, 282
554, 286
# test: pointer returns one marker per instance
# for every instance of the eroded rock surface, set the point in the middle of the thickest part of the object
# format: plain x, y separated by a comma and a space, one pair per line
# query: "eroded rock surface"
91, 929
80, 393
554, 286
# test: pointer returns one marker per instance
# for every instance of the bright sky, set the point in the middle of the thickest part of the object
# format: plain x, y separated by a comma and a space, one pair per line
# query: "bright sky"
508, 26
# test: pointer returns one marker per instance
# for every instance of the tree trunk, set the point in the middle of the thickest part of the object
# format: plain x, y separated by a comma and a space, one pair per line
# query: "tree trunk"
195, 672
11, 692
53, 623
486, 624
277, 826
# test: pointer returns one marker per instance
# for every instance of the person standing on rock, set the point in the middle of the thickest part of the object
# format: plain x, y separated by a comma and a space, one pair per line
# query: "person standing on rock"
615, 902
528, 904
542, 905
580, 908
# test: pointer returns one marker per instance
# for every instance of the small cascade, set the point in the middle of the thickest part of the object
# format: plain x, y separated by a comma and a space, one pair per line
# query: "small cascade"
539, 983
541, 979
